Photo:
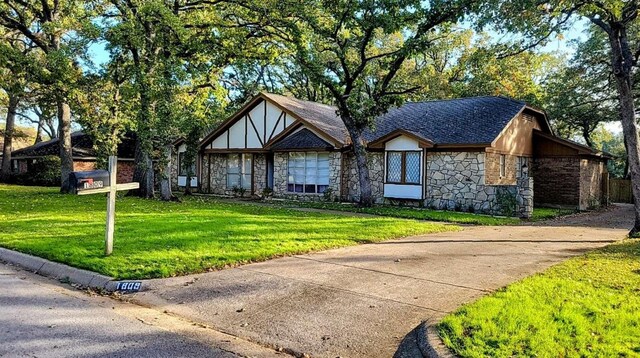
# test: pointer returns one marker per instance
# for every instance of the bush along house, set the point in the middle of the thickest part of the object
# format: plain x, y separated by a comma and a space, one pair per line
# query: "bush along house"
490, 155
39, 164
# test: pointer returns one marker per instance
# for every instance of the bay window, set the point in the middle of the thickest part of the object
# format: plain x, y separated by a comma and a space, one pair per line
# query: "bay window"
239, 171
308, 172
403, 167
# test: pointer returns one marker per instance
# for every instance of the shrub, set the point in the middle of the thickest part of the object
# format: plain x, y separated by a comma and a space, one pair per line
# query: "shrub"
44, 171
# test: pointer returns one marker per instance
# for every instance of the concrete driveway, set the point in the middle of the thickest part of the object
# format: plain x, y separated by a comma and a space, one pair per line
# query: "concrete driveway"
363, 301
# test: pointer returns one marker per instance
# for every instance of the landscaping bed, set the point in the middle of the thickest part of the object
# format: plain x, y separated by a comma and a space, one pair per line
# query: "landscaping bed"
588, 306
429, 214
162, 239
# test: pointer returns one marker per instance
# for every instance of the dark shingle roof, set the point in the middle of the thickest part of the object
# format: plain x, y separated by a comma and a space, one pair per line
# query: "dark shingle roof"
320, 115
82, 147
474, 120
302, 139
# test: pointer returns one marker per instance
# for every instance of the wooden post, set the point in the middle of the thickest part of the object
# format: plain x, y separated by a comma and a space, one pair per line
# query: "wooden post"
111, 191
111, 205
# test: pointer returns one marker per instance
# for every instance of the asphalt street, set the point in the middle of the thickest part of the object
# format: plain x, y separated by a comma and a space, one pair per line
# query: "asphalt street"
40, 317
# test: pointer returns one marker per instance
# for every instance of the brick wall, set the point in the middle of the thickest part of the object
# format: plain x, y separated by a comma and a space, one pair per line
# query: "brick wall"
591, 172
492, 169
125, 169
83, 165
556, 181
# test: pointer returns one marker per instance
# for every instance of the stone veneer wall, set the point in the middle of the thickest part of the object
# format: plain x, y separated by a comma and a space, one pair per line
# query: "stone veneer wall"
259, 173
351, 189
556, 181
457, 181
174, 169
280, 174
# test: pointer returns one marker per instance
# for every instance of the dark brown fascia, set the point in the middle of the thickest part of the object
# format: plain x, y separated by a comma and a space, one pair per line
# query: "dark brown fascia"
232, 150
380, 142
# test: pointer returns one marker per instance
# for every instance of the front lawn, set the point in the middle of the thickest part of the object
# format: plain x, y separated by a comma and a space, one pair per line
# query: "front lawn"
431, 215
588, 306
158, 239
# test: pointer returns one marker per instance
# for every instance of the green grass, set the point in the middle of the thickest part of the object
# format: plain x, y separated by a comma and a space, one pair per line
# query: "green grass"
431, 215
550, 213
588, 306
158, 239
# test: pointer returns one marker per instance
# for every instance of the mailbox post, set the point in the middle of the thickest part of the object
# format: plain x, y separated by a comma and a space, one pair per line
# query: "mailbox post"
100, 181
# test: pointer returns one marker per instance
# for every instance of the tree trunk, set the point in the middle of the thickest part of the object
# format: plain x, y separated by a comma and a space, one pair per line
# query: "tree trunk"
5, 172
143, 172
64, 132
622, 65
39, 130
360, 154
165, 182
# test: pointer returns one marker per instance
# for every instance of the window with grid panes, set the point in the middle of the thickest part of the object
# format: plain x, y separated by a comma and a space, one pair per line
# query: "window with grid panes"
308, 172
403, 167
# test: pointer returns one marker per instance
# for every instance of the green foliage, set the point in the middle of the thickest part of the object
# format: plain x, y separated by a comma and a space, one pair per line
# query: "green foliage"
411, 213
163, 239
613, 144
45, 171
586, 307
506, 201
578, 95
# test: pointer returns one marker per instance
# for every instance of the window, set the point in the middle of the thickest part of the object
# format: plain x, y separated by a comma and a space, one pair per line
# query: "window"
403, 167
182, 168
503, 165
308, 172
239, 171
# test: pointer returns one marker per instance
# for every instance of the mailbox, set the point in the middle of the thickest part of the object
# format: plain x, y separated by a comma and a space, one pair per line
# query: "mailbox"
94, 179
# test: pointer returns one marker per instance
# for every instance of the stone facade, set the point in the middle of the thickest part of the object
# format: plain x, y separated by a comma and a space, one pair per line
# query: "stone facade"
351, 188
280, 178
457, 181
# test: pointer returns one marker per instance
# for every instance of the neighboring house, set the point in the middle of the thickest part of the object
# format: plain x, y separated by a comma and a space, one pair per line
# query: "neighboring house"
84, 155
467, 154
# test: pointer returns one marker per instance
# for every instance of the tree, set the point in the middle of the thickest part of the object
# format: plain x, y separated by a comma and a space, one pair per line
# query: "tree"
579, 95
615, 18
13, 80
172, 48
355, 49
61, 31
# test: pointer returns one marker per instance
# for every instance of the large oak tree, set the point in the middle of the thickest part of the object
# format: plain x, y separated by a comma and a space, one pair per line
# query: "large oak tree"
355, 49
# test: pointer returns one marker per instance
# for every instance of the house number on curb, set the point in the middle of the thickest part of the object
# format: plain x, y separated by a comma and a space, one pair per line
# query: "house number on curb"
129, 286
90, 185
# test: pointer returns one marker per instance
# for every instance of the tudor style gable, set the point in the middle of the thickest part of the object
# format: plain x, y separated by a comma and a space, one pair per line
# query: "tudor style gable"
251, 128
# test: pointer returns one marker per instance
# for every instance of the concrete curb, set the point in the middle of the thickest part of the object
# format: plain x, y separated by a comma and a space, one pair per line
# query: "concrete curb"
59, 271
430, 344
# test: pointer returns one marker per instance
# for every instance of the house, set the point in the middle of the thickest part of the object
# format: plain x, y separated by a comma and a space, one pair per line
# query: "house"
23, 161
472, 154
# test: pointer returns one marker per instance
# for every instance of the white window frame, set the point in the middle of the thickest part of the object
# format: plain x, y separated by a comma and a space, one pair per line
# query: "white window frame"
503, 165
317, 185
244, 173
